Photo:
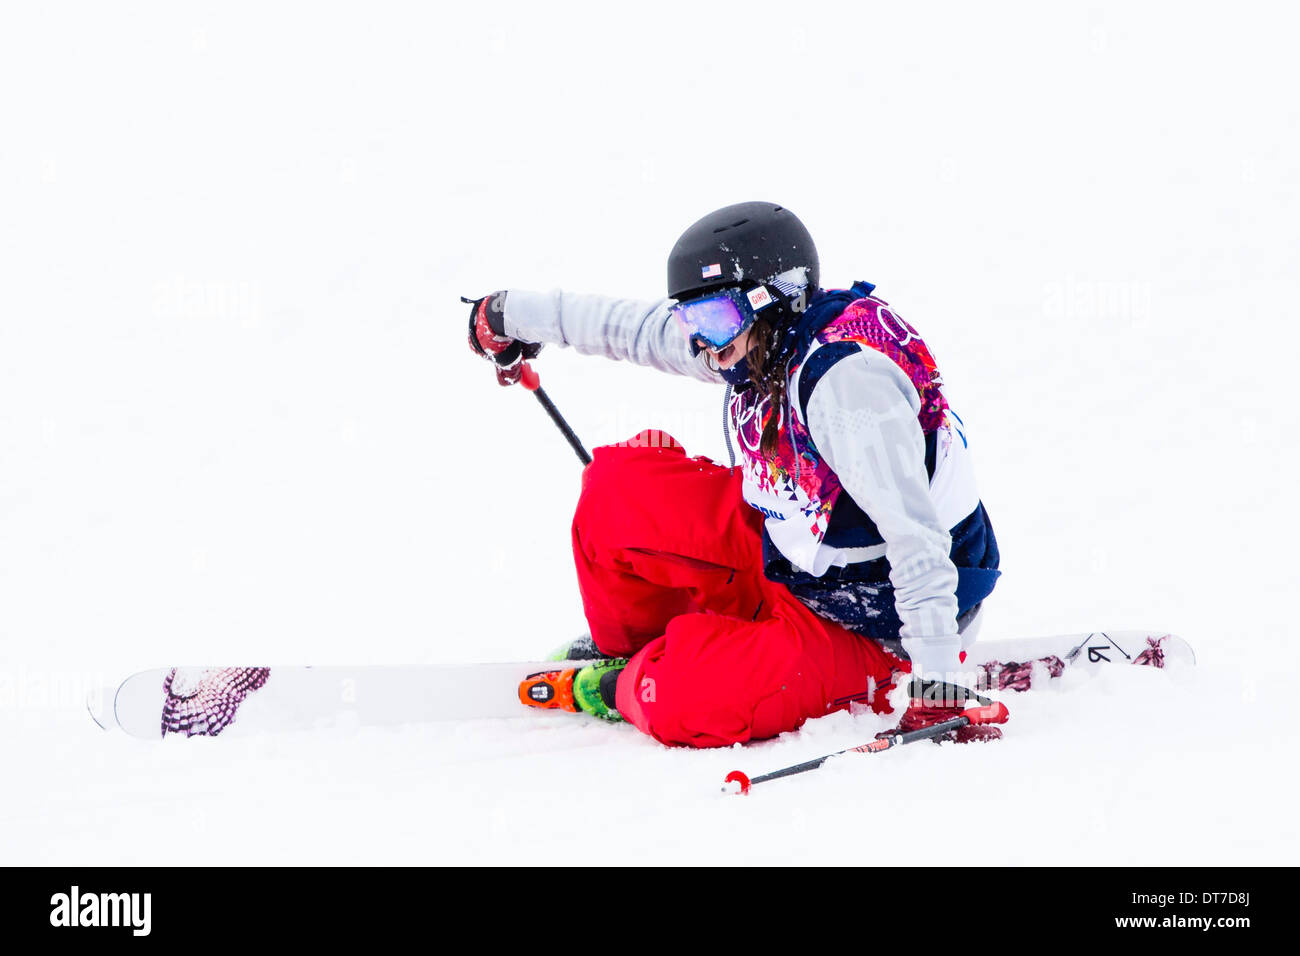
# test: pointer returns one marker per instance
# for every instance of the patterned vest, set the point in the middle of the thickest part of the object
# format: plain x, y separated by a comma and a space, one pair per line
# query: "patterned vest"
794, 488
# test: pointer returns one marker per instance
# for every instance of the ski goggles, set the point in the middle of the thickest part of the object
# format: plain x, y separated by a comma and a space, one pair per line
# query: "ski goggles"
718, 319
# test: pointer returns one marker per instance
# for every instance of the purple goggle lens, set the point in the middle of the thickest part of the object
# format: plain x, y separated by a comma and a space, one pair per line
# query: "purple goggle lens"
716, 320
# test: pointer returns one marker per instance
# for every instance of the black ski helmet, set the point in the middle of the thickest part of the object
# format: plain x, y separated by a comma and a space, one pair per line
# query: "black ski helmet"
744, 244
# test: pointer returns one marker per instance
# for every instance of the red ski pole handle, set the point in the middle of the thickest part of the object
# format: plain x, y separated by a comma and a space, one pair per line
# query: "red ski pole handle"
994, 712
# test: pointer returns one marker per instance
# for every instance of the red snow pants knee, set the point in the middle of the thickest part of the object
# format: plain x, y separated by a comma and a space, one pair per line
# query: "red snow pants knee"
669, 562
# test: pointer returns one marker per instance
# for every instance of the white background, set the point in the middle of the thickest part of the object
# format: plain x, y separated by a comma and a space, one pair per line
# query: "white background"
239, 422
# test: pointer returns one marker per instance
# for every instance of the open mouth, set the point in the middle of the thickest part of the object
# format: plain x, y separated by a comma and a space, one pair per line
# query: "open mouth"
724, 354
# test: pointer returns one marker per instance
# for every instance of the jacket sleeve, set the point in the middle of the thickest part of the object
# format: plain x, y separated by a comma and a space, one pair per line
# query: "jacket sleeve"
862, 415
644, 333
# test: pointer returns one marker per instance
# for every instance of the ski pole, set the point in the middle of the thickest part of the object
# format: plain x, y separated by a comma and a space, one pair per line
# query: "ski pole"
530, 380
993, 713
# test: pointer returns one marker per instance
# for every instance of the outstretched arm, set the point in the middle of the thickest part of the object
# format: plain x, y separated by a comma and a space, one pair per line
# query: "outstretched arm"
644, 333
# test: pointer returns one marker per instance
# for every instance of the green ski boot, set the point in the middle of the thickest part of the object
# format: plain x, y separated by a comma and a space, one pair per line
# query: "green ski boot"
594, 687
579, 649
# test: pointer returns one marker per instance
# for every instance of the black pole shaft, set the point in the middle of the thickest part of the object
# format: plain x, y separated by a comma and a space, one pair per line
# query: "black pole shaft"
883, 743
562, 425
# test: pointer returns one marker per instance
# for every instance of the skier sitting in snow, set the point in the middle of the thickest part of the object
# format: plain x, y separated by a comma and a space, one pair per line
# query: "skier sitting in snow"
863, 550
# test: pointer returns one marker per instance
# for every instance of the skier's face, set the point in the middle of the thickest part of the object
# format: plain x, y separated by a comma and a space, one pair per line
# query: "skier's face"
733, 351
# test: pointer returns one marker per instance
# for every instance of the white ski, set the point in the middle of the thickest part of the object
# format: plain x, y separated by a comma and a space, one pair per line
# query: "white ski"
207, 701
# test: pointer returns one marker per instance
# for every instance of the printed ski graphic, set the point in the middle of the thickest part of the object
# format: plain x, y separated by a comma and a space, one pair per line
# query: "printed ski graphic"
1010, 665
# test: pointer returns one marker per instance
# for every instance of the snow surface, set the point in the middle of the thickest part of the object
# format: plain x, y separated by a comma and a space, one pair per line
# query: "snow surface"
239, 423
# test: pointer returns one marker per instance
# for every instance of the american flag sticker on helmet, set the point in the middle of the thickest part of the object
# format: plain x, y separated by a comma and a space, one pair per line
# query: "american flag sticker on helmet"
711, 272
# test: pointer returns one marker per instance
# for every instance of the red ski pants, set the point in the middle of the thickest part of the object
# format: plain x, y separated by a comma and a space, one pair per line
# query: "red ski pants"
669, 561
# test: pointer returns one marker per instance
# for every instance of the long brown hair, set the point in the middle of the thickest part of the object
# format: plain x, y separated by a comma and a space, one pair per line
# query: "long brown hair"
770, 381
